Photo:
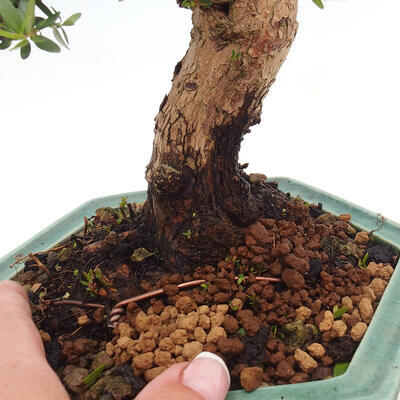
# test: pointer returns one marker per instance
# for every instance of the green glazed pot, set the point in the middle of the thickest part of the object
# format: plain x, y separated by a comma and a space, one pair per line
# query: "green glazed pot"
374, 372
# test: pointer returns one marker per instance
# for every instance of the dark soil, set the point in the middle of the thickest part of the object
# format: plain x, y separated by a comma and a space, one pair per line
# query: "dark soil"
269, 333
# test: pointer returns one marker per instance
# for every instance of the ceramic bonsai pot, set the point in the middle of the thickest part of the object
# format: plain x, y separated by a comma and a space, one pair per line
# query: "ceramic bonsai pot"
374, 372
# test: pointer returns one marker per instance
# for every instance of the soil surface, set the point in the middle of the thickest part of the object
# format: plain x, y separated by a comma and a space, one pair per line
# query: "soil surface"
328, 280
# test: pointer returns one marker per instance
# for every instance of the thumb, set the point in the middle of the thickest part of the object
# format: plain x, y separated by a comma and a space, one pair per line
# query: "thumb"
205, 378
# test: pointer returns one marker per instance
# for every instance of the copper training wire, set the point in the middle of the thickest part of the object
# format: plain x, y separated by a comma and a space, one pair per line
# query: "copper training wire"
118, 309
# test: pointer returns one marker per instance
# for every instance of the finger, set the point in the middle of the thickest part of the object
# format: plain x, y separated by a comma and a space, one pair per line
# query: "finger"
17, 329
15, 295
205, 378
24, 371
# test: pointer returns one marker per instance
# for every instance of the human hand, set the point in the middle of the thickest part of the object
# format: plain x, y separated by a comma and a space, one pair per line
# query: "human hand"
25, 373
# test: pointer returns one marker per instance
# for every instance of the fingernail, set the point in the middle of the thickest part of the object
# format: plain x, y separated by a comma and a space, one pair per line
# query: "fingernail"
208, 375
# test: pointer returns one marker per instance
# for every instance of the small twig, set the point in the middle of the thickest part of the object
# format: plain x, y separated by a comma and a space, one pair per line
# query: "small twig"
62, 337
48, 294
123, 212
97, 247
247, 183
268, 279
132, 212
41, 265
38, 322
83, 241
41, 308
85, 220
380, 221
25, 258
65, 271
106, 245
128, 235
76, 303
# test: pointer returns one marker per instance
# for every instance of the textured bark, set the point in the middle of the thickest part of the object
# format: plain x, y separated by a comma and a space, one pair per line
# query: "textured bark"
198, 198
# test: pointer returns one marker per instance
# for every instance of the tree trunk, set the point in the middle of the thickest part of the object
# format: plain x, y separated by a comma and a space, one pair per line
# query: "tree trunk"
198, 197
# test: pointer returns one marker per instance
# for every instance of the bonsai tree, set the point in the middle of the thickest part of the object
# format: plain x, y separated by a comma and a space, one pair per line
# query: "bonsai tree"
199, 197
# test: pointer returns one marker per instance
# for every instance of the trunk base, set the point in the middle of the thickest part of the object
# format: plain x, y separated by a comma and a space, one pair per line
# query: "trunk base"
189, 236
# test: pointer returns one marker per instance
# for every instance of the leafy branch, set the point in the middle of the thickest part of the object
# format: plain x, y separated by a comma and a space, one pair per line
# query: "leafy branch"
20, 25
90, 278
196, 3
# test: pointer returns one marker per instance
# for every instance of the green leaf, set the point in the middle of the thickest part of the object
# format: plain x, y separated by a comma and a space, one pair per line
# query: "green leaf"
188, 233
11, 35
101, 278
5, 44
37, 20
339, 312
189, 4
124, 202
65, 34
25, 51
29, 18
11, 16
313, 328
43, 8
22, 6
241, 332
340, 368
318, 3
363, 263
46, 44
47, 22
72, 19
60, 40
141, 254
205, 3
89, 276
93, 376
241, 278
20, 44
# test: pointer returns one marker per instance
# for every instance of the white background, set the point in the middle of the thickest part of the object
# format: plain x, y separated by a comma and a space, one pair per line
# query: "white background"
79, 125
